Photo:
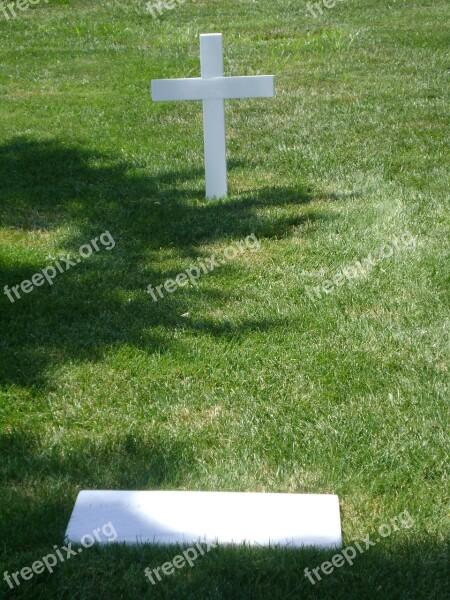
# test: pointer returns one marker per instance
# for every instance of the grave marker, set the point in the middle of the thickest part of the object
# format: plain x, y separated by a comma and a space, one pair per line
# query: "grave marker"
213, 89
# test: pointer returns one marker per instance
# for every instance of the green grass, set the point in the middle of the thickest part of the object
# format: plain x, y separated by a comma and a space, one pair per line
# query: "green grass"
257, 388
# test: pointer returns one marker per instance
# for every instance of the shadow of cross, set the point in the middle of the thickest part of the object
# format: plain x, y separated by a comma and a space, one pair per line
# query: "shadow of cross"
213, 88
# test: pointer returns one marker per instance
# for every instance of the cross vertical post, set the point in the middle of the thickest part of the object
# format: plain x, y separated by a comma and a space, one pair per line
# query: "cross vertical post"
211, 59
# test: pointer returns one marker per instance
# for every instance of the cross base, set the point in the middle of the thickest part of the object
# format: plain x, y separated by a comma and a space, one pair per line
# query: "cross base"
172, 517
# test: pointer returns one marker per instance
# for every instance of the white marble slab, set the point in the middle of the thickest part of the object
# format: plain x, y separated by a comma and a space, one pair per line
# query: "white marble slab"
171, 517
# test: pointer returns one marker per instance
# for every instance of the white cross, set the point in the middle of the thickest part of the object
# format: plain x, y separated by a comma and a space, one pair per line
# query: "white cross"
212, 87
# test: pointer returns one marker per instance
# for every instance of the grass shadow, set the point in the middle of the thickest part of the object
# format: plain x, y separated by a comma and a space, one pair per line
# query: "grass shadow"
102, 301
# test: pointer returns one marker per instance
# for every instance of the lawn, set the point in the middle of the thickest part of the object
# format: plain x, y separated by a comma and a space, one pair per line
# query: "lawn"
288, 369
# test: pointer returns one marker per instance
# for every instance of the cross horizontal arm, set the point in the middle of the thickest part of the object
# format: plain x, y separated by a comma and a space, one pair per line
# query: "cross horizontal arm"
259, 86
